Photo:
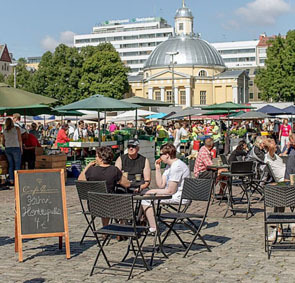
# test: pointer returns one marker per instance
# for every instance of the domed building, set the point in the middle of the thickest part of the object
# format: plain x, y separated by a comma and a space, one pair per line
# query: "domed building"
188, 71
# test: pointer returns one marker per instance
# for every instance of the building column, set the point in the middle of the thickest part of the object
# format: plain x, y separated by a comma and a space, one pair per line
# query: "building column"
188, 96
235, 94
176, 94
162, 93
150, 93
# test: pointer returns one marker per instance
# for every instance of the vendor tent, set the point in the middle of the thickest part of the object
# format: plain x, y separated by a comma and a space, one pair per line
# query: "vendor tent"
271, 110
253, 115
15, 97
100, 103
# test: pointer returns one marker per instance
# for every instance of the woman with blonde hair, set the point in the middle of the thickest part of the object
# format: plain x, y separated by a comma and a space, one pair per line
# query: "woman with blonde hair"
12, 142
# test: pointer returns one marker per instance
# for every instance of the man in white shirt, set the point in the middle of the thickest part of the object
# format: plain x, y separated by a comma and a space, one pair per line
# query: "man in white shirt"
80, 132
170, 183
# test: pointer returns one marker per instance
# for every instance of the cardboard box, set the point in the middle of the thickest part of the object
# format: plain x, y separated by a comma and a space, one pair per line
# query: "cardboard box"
49, 164
52, 158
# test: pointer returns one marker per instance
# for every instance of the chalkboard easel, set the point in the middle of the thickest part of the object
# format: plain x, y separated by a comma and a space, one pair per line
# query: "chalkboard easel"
41, 211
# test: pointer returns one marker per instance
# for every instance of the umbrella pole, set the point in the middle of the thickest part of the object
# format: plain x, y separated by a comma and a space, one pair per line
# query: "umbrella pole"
99, 138
190, 120
105, 121
136, 122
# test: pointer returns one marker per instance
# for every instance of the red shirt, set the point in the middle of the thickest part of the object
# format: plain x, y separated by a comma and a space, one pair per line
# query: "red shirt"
62, 138
31, 141
285, 130
203, 160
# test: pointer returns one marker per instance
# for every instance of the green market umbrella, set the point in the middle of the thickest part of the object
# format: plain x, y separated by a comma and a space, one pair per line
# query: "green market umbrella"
15, 97
227, 106
100, 103
236, 114
219, 112
146, 102
28, 110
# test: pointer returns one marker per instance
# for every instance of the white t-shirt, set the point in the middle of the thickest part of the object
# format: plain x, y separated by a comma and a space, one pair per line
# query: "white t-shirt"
183, 132
176, 173
277, 165
78, 134
177, 137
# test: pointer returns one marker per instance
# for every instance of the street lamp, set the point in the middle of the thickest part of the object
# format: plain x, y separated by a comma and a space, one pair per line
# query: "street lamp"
172, 54
14, 73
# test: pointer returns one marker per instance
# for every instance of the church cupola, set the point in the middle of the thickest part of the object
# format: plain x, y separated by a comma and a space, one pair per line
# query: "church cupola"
184, 21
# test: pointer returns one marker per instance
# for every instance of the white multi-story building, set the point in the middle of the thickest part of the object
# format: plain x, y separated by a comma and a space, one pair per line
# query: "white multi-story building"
238, 54
134, 39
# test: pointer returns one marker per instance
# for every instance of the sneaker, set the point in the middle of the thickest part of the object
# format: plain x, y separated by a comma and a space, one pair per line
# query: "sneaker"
152, 231
275, 236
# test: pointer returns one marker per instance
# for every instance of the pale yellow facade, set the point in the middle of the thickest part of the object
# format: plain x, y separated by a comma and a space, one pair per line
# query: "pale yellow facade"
193, 86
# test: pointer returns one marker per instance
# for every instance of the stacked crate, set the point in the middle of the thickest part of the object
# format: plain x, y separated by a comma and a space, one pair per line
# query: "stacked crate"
3, 164
57, 161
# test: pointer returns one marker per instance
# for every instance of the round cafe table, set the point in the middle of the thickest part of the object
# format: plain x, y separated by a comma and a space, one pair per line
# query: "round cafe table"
157, 245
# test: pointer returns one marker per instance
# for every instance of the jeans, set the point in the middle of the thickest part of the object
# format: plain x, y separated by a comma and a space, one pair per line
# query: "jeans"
284, 141
13, 155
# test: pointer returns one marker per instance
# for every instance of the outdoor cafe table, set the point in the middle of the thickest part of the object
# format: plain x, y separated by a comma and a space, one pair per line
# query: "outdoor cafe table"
153, 198
230, 201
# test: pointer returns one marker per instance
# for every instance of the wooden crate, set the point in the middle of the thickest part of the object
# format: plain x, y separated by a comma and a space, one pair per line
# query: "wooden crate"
39, 151
52, 158
50, 164
4, 164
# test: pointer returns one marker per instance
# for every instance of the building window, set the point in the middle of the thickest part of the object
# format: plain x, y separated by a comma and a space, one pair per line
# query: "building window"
259, 95
182, 97
169, 96
202, 73
180, 26
202, 97
157, 95
251, 95
251, 83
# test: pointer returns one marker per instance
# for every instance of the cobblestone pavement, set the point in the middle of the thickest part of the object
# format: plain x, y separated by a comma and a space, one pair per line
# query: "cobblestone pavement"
237, 252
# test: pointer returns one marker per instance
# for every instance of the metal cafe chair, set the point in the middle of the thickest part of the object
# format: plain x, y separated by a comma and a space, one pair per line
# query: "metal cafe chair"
278, 196
118, 206
198, 190
224, 159
83, 187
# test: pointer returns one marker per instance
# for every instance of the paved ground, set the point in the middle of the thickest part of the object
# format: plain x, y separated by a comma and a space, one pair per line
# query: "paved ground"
237, 252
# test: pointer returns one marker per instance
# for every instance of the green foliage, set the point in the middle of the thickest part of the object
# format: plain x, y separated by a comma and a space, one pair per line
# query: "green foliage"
240, 132
2, 78
69, 75
276, 81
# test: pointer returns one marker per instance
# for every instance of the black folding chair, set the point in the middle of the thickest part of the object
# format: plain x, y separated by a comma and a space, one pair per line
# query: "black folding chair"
83, 187
193, 190
224, 159
277, 196
117, 206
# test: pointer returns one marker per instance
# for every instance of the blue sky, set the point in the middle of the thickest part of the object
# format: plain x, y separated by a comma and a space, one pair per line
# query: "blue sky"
30, 27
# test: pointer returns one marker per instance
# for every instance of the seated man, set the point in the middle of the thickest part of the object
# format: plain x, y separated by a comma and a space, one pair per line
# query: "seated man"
30, 142
203, 160
290, 166
170, 183
133, 164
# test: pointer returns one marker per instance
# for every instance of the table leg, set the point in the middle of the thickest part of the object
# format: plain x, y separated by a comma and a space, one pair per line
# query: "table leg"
157, 234
230, 196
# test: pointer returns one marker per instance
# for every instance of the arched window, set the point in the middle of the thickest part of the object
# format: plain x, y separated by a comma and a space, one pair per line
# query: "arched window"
202, 73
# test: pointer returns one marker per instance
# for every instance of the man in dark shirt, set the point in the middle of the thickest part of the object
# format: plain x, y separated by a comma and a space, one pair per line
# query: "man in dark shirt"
30, 142
134, 163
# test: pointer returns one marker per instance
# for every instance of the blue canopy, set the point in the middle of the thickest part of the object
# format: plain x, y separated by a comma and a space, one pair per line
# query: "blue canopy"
271, 110
290, 110
42, 118
156, 116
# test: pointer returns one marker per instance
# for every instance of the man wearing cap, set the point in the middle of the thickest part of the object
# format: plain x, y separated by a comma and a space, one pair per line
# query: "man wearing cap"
134, 163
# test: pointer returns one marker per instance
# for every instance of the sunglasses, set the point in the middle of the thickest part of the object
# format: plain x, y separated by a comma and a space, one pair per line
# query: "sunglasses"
131, 146
162, 154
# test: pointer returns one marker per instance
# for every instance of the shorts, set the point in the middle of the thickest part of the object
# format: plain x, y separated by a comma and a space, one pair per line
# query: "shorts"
205, 175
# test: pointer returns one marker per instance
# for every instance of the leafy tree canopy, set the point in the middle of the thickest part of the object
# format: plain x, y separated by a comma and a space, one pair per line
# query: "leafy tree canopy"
277, 80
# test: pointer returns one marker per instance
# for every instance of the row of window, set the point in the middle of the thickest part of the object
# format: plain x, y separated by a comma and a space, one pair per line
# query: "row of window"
5, 67
134, 61
182, 97
242, 59
136, 53
122, 29
252, 95
237, 51
116, 38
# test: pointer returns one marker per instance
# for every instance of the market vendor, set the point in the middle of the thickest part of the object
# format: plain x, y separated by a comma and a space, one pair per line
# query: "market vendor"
133, 163
62, 137
30, 143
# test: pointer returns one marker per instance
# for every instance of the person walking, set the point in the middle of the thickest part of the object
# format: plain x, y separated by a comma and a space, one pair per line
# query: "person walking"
12, 142
285, 132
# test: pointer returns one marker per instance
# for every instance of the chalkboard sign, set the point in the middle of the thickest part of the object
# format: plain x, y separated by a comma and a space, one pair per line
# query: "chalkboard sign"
40, 206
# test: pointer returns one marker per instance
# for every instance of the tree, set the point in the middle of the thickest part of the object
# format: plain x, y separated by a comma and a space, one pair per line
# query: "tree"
276, 81
103, 72
23, 76
2, 78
